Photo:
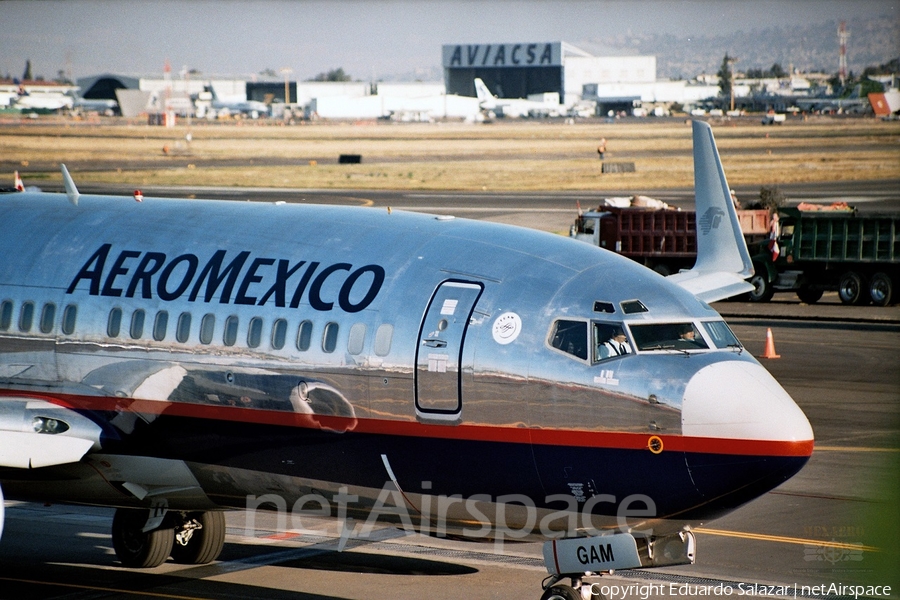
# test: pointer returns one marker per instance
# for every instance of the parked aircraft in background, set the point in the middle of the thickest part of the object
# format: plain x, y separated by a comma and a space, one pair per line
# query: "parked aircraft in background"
103, 107
223, 108
518, 107
177, 358
26, 99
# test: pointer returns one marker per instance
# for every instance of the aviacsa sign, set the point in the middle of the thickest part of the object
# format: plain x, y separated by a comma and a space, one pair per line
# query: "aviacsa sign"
503, 55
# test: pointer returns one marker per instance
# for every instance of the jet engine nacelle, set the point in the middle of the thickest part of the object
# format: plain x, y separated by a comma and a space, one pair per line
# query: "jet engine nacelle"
37, 433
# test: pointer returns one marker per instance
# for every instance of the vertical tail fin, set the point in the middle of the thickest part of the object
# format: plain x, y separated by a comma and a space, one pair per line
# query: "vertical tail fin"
484, 94
723, 261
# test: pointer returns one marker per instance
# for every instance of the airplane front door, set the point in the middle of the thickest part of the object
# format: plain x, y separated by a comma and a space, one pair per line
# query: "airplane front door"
440, 349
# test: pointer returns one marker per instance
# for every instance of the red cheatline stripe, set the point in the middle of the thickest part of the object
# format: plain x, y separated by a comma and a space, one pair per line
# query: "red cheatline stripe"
481, 433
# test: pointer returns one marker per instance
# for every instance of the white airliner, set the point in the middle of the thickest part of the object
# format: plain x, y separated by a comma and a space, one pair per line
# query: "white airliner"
41, 100
516, 107
251, 108
177, 358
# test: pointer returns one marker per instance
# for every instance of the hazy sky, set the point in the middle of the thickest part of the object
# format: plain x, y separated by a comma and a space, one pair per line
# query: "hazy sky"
380, 37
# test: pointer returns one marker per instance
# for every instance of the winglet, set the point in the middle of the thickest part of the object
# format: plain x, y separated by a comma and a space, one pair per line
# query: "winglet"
723, 261
71, 190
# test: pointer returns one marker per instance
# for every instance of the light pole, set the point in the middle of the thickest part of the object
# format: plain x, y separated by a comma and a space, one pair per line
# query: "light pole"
287, 87
731, 62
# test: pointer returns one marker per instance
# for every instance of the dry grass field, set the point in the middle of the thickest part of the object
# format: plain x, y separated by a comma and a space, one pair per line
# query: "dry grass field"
499, 156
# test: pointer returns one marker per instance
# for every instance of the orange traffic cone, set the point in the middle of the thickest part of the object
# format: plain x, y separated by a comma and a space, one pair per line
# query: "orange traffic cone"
770, 346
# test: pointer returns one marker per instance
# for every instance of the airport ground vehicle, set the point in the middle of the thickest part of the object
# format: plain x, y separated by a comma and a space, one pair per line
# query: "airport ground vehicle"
814, 251
664, 240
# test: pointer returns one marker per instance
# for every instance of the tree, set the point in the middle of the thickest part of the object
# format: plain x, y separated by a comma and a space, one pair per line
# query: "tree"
777, 71
333, 75
27, 76
724, 74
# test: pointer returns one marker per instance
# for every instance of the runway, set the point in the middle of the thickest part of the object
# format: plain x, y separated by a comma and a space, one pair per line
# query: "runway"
834, 524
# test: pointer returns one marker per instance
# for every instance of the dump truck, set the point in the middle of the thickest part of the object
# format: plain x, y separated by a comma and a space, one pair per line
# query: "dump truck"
663, 239
813, 251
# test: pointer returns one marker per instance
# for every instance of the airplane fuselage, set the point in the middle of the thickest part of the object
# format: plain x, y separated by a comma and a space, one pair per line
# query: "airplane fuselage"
232, 350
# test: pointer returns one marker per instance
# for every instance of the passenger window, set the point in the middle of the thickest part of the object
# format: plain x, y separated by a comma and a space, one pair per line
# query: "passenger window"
48, 315
571, 337
6, 310
383, 337
357, 338
304, 336
26, 317
183, 328
207, 326
667, 336
279, 334
160, 325
610, 341
231, 331
329, 338
254, 332
68, 321
721, 334
137, 324
114, 323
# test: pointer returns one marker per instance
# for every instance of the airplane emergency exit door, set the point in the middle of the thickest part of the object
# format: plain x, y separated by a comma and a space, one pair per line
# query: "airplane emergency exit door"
440, 349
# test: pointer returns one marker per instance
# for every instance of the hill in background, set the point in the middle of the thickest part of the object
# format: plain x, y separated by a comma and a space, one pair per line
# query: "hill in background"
810, 48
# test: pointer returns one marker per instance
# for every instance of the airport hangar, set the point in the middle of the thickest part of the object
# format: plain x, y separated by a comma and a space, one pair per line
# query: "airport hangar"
510, 70
524, 69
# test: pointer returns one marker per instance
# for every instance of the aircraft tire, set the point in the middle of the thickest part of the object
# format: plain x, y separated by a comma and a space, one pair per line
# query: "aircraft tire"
881, 289
561, 592
206, 543
137, 549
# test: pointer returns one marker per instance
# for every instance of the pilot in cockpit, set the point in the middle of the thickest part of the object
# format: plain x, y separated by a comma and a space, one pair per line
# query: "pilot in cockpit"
616, 345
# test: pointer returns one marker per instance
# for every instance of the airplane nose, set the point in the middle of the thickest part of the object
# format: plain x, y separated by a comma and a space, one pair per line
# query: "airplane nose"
744, 435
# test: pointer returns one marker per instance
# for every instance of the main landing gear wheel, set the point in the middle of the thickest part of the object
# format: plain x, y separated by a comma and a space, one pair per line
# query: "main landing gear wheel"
135, 548
199, 538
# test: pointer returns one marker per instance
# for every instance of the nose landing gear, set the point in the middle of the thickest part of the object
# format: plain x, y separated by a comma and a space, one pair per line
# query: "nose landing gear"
591, 556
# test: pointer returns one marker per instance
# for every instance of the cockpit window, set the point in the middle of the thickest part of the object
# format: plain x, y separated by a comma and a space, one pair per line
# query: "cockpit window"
667, 336
610, 341
571, 337
721, 334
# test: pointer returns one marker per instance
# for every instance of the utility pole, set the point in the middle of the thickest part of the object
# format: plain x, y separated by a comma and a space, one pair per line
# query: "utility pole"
843, 34
287, 87
731, 62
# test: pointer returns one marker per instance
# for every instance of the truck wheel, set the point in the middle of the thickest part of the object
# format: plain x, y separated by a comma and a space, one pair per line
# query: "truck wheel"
881, 289
809, 296
851, 288
763, 290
